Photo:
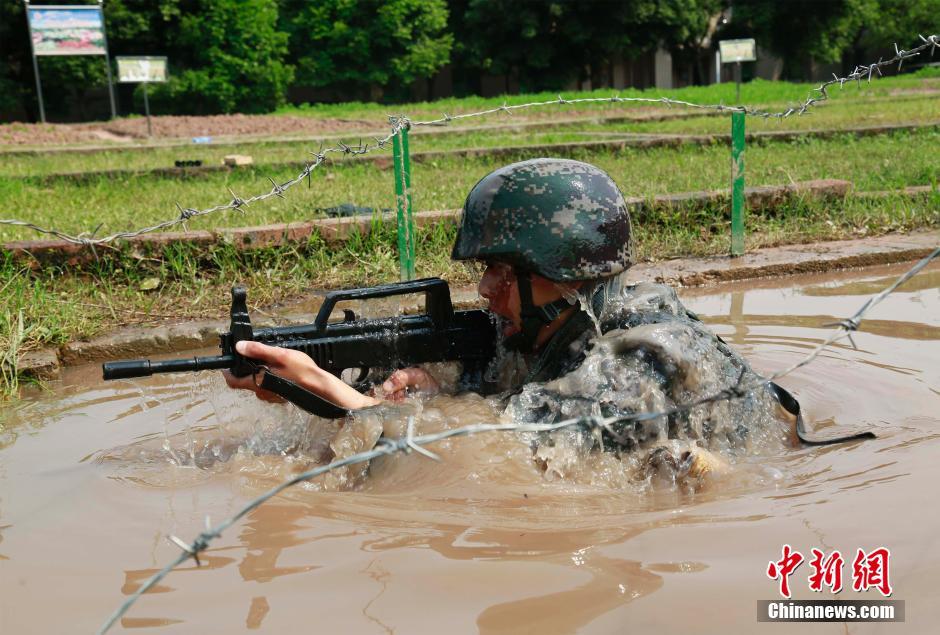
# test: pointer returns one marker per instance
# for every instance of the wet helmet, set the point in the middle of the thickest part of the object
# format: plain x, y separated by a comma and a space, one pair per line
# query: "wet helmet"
564, 220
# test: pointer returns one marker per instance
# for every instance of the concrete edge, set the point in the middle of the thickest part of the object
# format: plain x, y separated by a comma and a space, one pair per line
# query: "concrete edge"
779, 270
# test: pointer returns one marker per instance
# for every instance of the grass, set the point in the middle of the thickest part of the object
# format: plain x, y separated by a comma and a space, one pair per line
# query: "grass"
757, 93
873, 163
840, 113
52, 306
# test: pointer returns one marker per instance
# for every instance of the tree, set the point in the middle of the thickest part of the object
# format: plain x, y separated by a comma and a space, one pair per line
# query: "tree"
689, 27
231, 56
365, 46
801, 31
547, 44
16, 71
224, 56
901, 21
805, 31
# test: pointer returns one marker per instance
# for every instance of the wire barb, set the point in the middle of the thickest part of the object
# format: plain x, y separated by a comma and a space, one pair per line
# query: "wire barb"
276, 189
190, 549
409, 441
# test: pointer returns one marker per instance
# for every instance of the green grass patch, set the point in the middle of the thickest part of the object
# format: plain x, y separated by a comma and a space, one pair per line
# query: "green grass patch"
848, 107
757, 93
881, 162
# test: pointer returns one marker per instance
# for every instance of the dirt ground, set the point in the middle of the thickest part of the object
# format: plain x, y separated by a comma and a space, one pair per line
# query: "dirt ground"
169, 128
175, 127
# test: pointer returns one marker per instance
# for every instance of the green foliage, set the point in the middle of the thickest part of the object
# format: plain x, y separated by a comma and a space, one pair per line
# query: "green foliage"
801, 31
236, 57
547, 44
900, 21
225, 56
928, 71
359, 44
11, 93
134, 27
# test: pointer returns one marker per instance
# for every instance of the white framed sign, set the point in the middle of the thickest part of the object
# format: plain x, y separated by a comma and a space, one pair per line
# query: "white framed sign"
67, 30
141, 69
738, 51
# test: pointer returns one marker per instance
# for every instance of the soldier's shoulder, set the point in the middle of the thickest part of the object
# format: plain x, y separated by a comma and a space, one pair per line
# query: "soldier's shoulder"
640, 303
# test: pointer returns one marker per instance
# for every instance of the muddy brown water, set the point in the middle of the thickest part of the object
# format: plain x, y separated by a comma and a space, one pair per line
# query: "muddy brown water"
93, 476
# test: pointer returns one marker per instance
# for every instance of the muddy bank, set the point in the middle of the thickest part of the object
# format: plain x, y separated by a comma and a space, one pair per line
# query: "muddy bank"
762, 263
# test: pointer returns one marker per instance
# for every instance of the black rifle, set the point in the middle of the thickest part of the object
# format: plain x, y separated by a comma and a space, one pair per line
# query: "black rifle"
439, 334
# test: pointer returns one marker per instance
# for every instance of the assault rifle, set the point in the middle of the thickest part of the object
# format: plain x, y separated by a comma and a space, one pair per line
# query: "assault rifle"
439, 334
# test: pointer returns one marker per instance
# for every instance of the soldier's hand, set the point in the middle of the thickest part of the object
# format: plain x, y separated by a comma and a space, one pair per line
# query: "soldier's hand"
300, 369
399, 383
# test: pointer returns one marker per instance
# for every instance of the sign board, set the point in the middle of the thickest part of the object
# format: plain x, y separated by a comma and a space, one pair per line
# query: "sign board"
67, 30
141, 69
737, 51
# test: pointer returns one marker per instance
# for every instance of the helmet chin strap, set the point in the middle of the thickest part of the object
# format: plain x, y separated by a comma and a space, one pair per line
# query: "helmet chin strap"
533, 317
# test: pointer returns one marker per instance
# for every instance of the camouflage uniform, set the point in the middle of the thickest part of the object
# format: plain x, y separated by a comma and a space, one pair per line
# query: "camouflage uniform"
638, 349
650, 354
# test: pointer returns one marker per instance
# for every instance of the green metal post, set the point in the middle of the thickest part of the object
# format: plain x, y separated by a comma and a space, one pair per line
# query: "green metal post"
737, 183
406, 223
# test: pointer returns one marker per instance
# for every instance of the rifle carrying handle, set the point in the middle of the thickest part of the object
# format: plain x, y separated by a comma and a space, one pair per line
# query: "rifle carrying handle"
436, 291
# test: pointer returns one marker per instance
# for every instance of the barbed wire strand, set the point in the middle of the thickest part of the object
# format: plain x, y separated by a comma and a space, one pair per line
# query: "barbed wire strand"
399, 122
237, 203
863, 72
411, 442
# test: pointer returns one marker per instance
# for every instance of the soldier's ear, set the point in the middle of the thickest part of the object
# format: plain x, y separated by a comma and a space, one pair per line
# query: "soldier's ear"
567, 289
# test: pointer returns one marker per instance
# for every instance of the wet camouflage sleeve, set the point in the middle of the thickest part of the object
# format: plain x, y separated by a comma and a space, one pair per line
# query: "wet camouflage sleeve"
653, 356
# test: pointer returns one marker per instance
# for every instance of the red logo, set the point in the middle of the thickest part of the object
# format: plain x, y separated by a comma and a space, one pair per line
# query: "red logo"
868, 570
871, 571
782, 569
827, 571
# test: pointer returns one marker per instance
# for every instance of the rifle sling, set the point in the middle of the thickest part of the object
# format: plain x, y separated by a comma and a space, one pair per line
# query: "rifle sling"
831, 434
301, 397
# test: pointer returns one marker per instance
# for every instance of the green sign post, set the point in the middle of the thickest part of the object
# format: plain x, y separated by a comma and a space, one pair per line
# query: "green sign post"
406, 223
737, 183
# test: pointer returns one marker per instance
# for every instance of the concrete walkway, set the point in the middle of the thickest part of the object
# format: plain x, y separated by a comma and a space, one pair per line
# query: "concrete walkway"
792, 259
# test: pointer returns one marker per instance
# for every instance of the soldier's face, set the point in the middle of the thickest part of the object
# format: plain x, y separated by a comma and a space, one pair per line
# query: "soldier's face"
499, 286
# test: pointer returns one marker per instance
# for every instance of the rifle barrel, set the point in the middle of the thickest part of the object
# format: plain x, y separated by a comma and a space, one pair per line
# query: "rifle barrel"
145, 367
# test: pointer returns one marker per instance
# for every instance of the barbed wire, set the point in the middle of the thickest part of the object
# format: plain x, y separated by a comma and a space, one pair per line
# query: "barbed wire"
237, 203
411, 442
863, 72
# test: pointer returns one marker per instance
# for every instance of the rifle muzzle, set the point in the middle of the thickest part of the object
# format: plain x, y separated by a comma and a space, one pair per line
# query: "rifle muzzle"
145, 367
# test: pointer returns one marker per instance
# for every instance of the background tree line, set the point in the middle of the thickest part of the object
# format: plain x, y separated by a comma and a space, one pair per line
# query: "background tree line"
244, 55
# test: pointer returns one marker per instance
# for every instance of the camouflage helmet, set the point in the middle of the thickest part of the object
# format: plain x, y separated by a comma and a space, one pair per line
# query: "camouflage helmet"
561, 219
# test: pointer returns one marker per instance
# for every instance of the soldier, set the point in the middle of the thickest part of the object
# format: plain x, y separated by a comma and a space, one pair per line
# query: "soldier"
556, 237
